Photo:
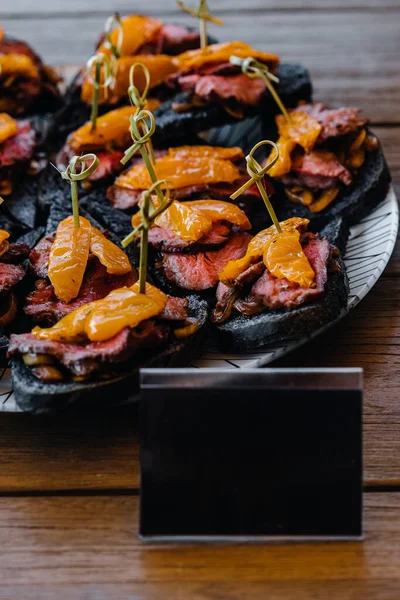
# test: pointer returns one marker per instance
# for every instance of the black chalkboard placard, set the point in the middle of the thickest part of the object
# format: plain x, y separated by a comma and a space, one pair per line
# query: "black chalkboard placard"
251, 454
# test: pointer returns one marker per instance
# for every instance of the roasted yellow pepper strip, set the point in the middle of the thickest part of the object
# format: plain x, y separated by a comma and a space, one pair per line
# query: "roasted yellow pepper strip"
4, 245
112, 129
122, 308
221, 53
101, 320
158, 65
285, 259
68, 257
257, 247
113, 258
18, 64
192, 220
8, 127
302, 129
4, 235
70, 328
137, 30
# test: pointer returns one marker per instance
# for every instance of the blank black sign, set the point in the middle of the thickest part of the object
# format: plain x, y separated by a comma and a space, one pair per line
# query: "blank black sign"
257, 453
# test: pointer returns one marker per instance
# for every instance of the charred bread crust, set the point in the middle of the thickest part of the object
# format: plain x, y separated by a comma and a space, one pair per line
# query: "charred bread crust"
110, 218
35, 396
370, 187
22, 204
241, 333
337, 231
3, 350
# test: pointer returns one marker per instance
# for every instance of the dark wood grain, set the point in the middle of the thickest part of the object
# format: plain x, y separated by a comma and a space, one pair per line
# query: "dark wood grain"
79, 541
351, 59
169, 9
80, 453
80, 544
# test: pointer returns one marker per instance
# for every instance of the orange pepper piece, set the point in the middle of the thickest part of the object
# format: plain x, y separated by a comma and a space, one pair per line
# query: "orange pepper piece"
4, 245
138, 30
68, 257
112, 129
303, 129
183, 221
159, 66
70, 328
122, 308
180, 172
257, 247
220, 53
284, 258
4, 235
192, 220
18, 64
103, 319
284, 163
218, 210
113, 258
8, 127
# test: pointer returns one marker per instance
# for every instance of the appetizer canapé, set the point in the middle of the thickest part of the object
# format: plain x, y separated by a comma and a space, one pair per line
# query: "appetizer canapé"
146, 35
72, 267
102, 336
193, 241
329, 163
26, 84
288, 283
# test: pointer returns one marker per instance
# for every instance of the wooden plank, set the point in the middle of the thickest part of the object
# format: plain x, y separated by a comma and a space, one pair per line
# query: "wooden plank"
351, 60
69, 452
89, 546
390, 137
161, 9
101, 452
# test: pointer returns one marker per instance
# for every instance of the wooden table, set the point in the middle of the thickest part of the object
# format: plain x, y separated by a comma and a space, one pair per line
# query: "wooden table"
69, 488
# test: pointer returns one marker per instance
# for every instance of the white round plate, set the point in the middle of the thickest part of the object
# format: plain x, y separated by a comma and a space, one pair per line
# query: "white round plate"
368, 250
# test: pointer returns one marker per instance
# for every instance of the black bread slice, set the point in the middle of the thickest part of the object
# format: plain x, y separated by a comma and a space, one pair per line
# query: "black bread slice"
35, 396
240, 333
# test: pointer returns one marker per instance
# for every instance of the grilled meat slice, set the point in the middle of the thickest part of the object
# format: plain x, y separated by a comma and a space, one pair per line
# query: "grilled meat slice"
15, 254
175, 310
200, 271
86, 359
319, 169
124, 198
165, 241
15, 155
43, 305
20, 147
335, 122
172, 39
10, 275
